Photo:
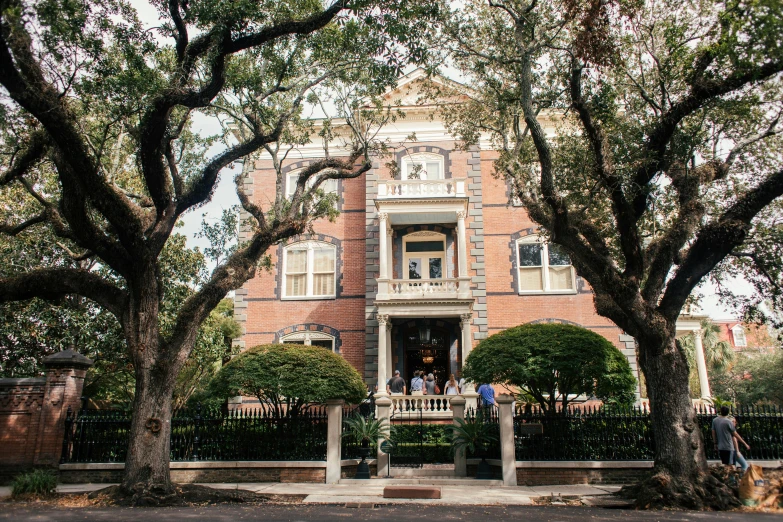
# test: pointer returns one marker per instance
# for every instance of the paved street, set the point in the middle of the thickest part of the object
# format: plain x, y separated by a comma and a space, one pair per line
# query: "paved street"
278, 513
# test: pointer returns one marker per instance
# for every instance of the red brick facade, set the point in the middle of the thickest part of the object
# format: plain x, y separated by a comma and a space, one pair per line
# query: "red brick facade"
492, 225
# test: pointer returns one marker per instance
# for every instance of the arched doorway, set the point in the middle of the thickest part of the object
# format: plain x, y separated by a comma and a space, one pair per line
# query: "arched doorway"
426, 348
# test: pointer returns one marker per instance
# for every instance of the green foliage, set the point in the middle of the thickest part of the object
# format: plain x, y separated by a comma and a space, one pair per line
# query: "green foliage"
288, 377
367, 430
38, 483
552, 361
472, 435
754, 379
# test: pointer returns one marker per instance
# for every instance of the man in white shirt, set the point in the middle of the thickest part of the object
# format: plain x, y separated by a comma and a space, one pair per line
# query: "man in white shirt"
417, 383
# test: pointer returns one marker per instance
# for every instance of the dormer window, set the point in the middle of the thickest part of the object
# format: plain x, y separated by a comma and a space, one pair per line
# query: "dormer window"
422, 167
740, 341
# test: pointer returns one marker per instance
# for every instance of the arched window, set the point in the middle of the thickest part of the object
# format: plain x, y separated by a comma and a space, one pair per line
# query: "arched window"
328, 186
424, 255
309, 270
309, 339
740, 341
422, 167
543, 268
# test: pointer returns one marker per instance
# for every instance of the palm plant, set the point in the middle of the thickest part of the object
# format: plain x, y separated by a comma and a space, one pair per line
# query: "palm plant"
366, 430
474, 436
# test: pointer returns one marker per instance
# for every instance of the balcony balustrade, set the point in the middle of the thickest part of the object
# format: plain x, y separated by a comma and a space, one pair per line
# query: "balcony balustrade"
413, 289
434, 188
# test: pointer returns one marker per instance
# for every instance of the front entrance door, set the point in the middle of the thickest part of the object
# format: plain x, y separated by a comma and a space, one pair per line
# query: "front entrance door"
427, 349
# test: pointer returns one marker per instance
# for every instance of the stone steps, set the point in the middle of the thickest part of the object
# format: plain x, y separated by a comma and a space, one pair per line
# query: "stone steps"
424, 481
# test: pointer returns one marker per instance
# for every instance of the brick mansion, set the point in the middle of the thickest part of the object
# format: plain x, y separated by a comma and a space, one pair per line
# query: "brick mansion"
423, 262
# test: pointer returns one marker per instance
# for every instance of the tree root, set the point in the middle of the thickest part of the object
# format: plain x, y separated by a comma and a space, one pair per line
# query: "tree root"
664, 491
180, 495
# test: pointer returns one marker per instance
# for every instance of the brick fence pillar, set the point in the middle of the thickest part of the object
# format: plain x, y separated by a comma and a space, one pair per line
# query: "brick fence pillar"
507, 451
334, 411
460, 457
65, 372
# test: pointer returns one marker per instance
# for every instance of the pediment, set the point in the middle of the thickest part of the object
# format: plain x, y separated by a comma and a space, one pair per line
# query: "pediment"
417, 89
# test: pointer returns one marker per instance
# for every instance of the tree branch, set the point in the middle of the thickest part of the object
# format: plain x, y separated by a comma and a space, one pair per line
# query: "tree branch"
716, 240
54, 283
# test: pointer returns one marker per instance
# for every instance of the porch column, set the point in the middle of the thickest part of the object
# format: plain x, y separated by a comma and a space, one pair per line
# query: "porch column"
467, 345
383, 404
507, 450
389, 355
383, 275
383, 220
334, 412
701, 366
460, 457
462, 247
383, 356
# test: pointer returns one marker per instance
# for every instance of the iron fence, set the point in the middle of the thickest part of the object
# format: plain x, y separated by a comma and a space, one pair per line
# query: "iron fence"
97, 436
626, 434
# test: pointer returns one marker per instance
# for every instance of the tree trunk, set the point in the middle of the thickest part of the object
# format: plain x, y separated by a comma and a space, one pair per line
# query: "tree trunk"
147, 476
681, 478
147, 463
679, 448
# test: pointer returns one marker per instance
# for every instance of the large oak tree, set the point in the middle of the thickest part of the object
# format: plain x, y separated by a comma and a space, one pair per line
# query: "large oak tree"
661, 161
98, 131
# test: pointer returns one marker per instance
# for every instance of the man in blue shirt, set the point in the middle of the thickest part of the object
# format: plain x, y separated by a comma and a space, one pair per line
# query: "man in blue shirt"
417, 383
487, 393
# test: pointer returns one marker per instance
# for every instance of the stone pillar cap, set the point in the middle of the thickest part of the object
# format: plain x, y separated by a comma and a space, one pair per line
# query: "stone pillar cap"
458, 400
67, 359
334, 402
383, 401
505, 399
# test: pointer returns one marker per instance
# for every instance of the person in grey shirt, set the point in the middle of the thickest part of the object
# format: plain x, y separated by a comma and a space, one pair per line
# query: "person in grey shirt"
723, 435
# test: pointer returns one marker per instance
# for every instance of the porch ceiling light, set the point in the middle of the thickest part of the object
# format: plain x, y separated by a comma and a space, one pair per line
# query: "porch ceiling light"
425, 334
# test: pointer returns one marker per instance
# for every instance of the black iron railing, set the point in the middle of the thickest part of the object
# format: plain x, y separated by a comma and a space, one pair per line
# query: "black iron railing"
626, 434
97, 436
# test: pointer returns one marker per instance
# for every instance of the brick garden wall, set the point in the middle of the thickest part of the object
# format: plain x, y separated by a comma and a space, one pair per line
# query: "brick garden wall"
32, 415
566, 476
210, 475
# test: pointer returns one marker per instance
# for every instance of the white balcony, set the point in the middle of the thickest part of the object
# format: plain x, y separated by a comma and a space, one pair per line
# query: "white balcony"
423, 289
411, 189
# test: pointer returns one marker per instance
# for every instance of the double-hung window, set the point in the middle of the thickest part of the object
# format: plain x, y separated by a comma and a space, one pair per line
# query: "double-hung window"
740, 341
309, 270
328, 186
422, 167
543, 268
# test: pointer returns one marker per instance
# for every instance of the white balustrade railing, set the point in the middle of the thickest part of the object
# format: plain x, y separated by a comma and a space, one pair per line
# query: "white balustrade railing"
428, 405
429, 188
422, 287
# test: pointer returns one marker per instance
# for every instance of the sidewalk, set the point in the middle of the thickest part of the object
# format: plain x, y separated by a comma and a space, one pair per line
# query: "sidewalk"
473, 494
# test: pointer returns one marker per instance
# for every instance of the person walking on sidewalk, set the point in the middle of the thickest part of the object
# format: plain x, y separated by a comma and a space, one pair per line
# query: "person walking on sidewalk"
737, 457
723, 435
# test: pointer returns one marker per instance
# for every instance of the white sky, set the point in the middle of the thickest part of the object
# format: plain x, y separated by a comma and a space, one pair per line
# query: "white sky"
225, 194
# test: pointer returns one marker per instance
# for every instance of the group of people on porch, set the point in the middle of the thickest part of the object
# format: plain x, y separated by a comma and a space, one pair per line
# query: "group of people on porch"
424, 384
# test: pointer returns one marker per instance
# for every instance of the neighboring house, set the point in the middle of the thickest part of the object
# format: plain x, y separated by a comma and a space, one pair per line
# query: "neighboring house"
746, 336
420, 265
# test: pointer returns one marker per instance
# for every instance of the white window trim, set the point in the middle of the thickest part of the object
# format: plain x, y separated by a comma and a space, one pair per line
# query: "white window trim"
290, 185
422, 157
544, 269
741, 330
311, 246
417, 237
308, 337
